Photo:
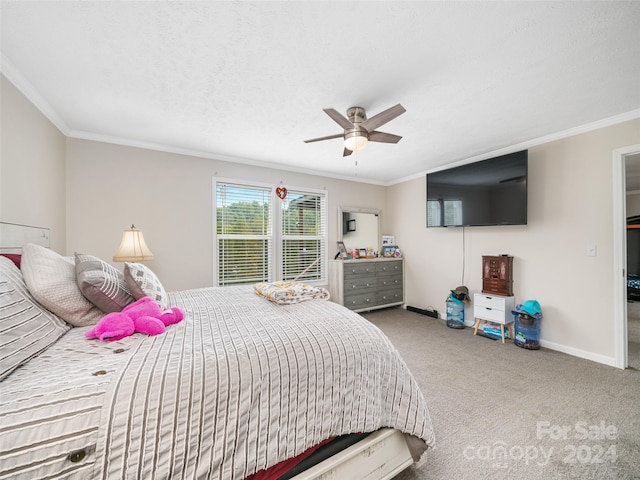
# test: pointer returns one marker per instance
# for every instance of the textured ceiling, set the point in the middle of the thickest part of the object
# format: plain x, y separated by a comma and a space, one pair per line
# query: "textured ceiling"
247, 81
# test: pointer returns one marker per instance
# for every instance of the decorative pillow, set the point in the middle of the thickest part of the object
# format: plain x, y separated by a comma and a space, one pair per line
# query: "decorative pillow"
51, 279
26, 329
14, 257
143, 282
102, 284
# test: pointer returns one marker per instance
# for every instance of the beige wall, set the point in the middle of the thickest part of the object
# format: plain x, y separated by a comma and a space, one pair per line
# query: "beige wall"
32, 166
570, 201
170, 198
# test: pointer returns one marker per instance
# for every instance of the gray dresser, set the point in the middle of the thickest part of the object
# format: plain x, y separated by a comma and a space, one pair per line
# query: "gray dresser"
367, 284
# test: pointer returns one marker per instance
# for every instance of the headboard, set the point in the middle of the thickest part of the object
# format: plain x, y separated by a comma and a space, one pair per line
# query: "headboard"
14, 235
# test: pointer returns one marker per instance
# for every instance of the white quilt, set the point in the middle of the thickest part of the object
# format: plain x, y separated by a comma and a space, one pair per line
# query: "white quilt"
240, 385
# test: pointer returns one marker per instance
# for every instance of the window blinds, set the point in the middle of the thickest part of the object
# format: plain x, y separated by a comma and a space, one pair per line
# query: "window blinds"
255, 243
244, 234
303, 236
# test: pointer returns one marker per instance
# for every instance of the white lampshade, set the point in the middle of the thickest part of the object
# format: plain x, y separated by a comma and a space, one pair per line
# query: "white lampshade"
132, 247
356, 142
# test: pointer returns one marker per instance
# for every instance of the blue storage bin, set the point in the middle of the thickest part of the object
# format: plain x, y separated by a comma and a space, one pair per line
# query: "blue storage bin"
527, 330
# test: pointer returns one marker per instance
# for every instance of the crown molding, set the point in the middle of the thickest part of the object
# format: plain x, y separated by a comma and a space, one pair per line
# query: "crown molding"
606, 122
12, 74
81, 135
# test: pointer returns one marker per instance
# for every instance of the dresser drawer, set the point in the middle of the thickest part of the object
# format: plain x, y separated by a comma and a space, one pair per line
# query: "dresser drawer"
355, 283
493, 308
489, 314
360, 300
389, 281
383, 268
497, 287
359, 269
490, 301
390, 296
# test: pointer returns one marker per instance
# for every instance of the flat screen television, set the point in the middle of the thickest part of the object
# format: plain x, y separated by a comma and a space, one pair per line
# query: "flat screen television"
488, 192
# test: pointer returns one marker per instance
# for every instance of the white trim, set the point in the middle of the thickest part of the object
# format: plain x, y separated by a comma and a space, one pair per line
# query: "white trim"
13, 75
607, 122
623, 117
621, 359
128, 142
576, 352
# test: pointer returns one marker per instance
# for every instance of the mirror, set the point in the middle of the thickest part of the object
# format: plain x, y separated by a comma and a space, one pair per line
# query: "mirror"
359, 227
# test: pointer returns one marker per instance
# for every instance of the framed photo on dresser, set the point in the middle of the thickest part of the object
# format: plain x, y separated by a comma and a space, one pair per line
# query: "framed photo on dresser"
342, 250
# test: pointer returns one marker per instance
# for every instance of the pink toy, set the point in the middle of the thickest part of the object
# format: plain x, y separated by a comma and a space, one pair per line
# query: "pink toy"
142, 316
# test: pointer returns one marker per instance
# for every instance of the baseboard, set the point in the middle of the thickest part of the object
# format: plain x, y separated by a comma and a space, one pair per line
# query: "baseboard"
576, 352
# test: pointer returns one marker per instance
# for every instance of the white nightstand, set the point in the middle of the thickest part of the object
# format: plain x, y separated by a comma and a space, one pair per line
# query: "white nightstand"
494, 308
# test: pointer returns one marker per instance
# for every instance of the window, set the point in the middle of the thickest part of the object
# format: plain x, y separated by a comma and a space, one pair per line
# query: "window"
303, 236
244, 234
444, 212
257, 242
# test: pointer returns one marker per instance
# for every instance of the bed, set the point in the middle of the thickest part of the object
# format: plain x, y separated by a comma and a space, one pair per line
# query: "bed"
241, 385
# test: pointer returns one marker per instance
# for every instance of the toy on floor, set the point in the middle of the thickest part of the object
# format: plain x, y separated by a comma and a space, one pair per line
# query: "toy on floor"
142, 316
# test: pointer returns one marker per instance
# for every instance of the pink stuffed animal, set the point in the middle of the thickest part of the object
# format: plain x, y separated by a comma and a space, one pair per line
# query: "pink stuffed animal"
142, 316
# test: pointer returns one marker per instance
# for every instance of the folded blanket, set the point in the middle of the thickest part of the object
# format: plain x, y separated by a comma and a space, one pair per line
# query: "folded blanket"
285, 293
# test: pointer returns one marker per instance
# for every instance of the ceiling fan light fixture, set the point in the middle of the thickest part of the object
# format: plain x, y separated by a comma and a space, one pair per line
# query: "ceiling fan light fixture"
355, 141
360, 130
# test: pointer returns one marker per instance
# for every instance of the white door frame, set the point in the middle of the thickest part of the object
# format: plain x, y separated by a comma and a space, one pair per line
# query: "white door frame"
620, 254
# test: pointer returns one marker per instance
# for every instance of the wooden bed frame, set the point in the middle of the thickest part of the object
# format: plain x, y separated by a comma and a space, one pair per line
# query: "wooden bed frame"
379, 456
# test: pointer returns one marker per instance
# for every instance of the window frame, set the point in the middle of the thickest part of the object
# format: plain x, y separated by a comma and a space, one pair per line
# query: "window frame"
275, 264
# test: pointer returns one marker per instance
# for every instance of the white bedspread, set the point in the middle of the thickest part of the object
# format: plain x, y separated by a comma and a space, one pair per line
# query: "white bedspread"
240, 385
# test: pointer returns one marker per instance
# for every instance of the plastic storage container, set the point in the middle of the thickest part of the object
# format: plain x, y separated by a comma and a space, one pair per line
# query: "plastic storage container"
455, 312
527, 330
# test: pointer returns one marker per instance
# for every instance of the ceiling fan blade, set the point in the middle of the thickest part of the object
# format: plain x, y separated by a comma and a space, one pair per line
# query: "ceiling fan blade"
338, 118
384, 137
346, 152
383, 117
328, 137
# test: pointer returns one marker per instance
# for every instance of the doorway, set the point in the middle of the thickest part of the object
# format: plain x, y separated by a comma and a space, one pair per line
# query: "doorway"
626, 169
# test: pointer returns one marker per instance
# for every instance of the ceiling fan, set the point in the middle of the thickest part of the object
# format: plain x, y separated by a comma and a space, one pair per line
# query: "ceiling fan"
359, 130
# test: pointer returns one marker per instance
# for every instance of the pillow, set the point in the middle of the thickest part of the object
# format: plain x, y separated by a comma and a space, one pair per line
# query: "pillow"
26, 329
102, 284
14, 257
143, 282
51, 279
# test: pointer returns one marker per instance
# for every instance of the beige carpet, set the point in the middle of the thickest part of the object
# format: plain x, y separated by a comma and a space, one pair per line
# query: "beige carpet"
503, 412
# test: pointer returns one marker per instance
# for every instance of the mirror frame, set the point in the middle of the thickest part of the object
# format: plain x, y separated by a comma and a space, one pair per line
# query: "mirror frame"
375, 211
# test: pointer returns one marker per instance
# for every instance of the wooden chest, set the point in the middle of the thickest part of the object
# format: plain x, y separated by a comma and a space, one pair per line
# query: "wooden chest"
497, 275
